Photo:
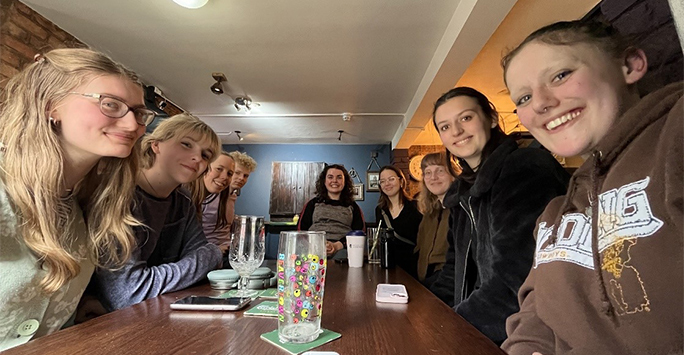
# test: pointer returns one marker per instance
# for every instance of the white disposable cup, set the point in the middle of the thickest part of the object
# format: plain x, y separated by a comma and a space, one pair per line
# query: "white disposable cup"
355, 244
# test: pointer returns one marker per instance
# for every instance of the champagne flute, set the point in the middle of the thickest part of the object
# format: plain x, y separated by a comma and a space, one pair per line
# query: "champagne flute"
247, 249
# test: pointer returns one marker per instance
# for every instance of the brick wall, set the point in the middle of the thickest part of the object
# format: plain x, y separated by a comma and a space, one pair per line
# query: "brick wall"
23, 34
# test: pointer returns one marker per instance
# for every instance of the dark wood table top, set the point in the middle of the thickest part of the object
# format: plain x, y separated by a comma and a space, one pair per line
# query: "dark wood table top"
423, 326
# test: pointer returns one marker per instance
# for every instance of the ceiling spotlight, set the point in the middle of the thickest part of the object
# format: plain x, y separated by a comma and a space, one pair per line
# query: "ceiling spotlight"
217, 88
191, 4
346, 117
243, 103
237, 133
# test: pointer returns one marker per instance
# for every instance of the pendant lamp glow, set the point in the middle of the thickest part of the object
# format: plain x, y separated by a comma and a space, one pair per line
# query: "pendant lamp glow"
191, 4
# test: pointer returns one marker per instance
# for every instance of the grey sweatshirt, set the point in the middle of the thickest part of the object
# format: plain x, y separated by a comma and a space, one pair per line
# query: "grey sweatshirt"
172, 252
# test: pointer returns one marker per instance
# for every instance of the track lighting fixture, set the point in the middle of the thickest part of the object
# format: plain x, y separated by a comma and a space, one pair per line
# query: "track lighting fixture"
237, 133
243, 103
217, 88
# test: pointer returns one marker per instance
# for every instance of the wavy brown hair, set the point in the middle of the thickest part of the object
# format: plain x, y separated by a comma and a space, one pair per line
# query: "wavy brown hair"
347, 194
32, 169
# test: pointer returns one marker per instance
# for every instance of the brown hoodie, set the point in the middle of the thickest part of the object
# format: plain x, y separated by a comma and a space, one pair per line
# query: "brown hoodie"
632, 304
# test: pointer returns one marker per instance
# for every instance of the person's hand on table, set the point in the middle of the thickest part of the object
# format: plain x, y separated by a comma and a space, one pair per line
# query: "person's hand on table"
331, 248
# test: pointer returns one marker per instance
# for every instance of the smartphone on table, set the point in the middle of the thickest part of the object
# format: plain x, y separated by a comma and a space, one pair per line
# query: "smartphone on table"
201, 303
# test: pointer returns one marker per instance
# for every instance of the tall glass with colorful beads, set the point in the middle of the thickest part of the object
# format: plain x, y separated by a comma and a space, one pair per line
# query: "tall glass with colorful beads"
300, 270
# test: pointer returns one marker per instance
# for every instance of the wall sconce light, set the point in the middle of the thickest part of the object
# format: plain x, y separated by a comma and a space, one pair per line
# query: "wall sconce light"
191, 4
237, 133
339, 138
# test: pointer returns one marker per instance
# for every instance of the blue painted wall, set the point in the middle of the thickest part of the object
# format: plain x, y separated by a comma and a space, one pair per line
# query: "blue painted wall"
255, 196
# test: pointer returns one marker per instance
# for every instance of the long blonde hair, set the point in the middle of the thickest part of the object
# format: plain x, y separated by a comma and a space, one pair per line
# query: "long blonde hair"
427, 201
33, 172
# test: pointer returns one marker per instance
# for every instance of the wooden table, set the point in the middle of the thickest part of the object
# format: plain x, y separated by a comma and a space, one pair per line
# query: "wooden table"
423, 326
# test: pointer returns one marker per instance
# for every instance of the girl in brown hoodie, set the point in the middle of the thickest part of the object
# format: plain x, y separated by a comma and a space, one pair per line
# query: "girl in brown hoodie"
607, 274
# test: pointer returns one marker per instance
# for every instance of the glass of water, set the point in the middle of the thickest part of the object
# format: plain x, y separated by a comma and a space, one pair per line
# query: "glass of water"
247, 249
300, 270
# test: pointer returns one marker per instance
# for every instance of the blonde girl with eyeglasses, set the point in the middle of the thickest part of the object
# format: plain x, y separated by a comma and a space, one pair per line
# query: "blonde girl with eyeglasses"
68, 124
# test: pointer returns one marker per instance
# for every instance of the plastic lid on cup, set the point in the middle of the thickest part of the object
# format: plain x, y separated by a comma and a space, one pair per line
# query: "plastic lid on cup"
356, 232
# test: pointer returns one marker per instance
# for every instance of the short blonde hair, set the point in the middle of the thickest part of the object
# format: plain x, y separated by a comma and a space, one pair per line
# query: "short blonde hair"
177, 126
243, 159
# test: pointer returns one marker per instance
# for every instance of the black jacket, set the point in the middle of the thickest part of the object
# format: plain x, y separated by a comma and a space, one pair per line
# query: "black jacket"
491, 243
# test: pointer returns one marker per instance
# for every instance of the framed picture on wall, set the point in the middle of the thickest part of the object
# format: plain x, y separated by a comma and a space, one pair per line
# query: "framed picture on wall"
372, 181
358, 192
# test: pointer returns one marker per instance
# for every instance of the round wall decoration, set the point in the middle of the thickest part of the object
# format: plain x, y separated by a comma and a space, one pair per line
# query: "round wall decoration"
414, 167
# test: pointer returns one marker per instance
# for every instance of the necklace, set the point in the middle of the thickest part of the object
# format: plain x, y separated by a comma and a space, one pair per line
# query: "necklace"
150, 184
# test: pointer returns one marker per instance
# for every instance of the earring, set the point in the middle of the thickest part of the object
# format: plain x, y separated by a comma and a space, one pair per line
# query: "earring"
53, 122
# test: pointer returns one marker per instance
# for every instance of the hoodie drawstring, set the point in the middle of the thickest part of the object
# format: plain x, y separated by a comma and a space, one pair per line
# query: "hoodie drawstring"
606, 306
564, 208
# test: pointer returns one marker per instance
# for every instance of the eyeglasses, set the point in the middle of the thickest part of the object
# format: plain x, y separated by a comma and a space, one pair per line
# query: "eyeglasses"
436, 172
391, 179
115, 108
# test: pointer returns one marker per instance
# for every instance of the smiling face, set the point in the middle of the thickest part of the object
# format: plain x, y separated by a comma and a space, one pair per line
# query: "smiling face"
390, 182
568, 96
334, 182
437, 179
182, 159
464, 128
219, 175
87, 134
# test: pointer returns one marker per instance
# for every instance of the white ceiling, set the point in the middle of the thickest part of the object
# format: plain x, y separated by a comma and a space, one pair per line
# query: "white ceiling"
305, 61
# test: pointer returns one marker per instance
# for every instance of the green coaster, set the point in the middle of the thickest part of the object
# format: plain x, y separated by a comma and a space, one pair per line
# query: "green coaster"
263, 309
271, 294
325, 337
232, 293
